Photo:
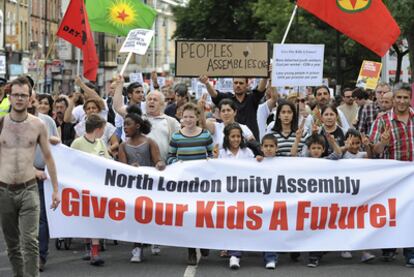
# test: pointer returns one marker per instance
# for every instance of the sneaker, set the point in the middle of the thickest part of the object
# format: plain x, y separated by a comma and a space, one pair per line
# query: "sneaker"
313, 262
155, 249
192, 256
367, 257
388, 256
204, 252
234, 262
137, 254
97, 261
270, 265
410, 263
346, 255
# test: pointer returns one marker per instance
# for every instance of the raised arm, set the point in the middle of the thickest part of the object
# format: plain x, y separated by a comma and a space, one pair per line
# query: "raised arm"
204, 79
118, 104
89, 93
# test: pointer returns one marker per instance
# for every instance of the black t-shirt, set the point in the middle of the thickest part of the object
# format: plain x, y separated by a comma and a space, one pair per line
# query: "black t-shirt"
339, 136
171, 110
246, 110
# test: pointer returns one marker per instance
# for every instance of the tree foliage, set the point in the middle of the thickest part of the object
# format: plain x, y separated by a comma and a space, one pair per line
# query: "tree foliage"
402, 11
212, 19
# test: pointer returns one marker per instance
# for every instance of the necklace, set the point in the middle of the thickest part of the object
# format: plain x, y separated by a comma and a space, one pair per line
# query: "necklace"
18, 121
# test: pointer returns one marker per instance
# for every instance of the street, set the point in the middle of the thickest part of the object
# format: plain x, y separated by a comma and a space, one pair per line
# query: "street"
172, 262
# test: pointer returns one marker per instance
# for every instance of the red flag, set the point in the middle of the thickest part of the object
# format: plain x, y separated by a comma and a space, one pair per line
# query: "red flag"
75, 29
366, 21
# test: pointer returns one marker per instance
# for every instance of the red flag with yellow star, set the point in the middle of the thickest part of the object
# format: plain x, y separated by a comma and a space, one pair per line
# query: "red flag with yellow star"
119, 16
75, 29
366, 21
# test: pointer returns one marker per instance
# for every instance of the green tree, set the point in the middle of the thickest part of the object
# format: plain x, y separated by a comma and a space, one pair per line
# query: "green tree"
212, 19
402, 11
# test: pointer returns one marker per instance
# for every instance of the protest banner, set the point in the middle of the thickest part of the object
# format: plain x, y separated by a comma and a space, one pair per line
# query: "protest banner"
369, 75
297, 65
136, 42
136, 77
223, 58
282, 204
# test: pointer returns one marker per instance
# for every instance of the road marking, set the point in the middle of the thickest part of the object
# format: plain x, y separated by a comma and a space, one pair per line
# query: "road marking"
191, 270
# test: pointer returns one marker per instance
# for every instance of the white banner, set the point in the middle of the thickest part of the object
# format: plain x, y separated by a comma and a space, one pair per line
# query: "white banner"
137, 41
297, 65
280, 204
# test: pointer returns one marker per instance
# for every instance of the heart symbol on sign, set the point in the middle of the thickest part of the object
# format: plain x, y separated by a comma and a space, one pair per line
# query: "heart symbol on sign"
246, 53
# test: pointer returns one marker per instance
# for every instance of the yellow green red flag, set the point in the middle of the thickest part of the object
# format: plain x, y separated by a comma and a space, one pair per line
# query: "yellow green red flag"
119, 16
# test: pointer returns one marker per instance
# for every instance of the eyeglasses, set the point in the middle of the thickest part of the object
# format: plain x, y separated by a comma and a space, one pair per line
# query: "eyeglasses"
169, 99
19, 95
300, 100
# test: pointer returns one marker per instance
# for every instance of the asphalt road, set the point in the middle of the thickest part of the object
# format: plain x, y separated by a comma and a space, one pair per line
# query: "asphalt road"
172, 262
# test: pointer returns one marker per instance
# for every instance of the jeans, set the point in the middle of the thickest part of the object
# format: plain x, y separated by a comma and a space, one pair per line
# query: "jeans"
43, 226
19, 212
270, 257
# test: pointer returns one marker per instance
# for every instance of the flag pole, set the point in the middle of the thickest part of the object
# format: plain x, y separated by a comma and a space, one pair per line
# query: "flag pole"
125, 63
52, 46
290, 24
78, 57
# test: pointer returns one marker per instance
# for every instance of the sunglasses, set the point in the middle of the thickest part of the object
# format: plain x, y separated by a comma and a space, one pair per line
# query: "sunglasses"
300, 100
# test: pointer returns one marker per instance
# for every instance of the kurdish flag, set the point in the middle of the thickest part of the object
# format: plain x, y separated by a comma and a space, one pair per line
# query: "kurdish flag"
366, 21
119, 16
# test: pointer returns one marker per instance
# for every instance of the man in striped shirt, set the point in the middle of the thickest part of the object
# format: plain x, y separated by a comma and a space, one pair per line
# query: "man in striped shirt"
393, 138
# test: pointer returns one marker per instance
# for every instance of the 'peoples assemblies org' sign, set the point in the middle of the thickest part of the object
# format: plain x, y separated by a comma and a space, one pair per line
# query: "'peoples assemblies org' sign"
222, 58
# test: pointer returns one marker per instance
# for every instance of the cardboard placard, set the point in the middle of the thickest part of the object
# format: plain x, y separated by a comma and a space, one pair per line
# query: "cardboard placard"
369, 75
136, 77
137, 41
297, 65
223, 58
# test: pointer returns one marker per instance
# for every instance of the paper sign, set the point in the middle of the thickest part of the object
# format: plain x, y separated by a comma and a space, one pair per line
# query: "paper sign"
222, 58
136, 77
137, 41
224, 85
198, 88
161, 82
297, 64
369, 75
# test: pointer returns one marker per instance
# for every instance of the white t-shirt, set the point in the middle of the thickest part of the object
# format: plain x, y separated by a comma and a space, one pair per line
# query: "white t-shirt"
218, 136
163, 127
244, 153
108, 132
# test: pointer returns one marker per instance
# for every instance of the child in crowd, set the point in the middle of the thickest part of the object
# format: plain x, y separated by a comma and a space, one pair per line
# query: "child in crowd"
269, 148
316, 148
234, 147
191, 143
353, 142
91, 143
139, 150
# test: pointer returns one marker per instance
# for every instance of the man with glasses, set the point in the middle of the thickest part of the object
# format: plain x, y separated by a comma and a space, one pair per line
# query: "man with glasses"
370, 111
349, 107
20, 133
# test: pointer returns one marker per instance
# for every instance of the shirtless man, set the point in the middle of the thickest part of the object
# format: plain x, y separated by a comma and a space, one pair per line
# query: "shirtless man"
19, 197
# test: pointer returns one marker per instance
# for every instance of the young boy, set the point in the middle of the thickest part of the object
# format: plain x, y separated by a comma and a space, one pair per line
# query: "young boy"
92, 144
316, 147
269, 149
